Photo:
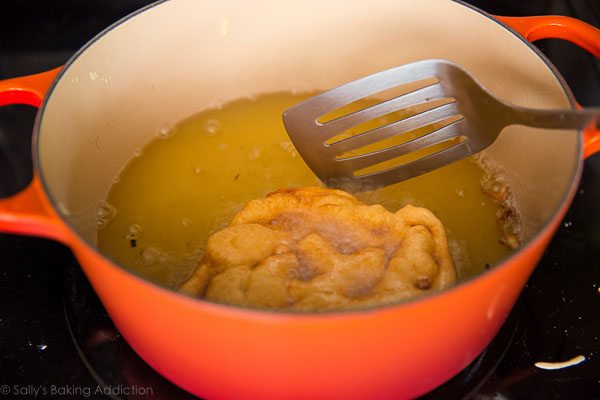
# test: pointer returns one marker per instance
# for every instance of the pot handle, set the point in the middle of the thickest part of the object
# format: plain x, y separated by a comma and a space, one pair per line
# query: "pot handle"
29, 212
591, 140
28, 90
571, 29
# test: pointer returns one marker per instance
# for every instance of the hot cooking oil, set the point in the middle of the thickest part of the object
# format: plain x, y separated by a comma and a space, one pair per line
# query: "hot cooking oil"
191, 179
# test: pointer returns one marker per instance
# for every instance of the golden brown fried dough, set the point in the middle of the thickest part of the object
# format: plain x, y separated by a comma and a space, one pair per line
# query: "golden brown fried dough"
322, 249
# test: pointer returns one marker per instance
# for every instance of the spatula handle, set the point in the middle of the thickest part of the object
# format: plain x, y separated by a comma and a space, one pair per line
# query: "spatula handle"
556, 119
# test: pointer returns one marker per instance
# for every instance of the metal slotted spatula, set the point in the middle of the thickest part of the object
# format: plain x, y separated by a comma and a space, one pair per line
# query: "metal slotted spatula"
444, 116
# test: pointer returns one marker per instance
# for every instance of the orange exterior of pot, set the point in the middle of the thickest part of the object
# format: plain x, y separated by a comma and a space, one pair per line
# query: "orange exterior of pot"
226, 352
393, 352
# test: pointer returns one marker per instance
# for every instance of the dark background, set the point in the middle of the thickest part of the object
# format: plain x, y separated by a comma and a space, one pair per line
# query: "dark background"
558, 313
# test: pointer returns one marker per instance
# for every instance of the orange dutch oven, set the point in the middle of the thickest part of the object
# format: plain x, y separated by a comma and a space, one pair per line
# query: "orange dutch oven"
174, 58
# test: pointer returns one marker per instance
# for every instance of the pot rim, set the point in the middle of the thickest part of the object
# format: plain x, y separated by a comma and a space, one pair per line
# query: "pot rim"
504, 262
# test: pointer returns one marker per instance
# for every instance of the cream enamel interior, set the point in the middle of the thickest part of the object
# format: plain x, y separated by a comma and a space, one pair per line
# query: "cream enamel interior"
182, 56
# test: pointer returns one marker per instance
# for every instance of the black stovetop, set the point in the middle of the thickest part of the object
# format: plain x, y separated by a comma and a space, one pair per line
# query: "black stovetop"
55, 335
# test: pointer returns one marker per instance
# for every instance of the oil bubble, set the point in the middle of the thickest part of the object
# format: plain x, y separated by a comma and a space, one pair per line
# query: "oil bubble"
216, 105
186, 221
105, 212
177, 267
212, 127
288, 147
148, 258
164, 131
255, 153
133, 232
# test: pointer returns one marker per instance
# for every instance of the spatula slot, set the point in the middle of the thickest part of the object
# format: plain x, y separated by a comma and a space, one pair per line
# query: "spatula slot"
376, 97
427, 153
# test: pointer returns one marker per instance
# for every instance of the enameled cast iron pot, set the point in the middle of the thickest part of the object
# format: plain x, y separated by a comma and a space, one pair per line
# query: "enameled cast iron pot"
177, 57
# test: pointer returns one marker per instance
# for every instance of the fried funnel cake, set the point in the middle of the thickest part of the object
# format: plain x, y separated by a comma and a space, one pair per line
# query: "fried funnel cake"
320, 249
